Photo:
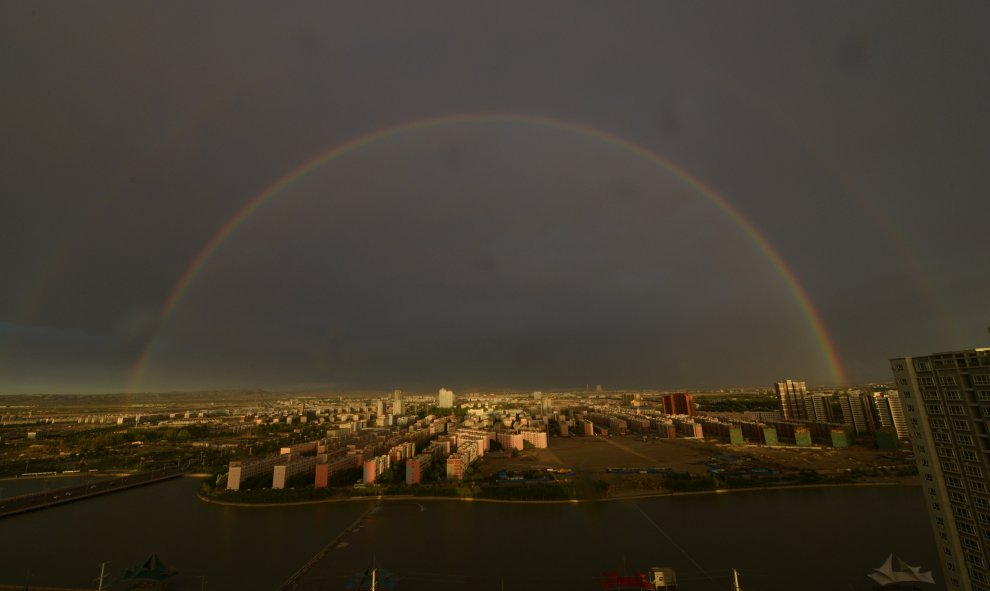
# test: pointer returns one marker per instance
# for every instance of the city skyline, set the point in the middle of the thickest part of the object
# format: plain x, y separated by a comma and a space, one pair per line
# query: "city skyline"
645, 197
573, 449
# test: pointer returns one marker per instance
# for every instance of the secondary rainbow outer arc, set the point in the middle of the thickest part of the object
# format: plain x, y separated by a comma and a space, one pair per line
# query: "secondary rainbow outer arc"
255, 203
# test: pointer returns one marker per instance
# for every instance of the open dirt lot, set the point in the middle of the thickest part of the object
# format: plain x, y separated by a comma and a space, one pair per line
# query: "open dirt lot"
593, 455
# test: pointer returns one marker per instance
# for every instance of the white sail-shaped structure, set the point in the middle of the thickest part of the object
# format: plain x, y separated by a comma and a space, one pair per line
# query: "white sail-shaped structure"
905, 573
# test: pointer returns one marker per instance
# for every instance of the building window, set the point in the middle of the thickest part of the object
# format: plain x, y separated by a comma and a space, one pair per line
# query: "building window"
967, 528
983, 395
962, 512
981, 380
941, 437
938, 423
956, 409
933, 409
957, 496
973, 471
929, 395
964, 439
926, 381
922, 366
960, 425
950, 466
981, 503
978, 486
968, 454
948, 381
952, 395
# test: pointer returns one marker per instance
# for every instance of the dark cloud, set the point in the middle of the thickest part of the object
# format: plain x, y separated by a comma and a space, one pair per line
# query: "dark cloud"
853, 138
853, 52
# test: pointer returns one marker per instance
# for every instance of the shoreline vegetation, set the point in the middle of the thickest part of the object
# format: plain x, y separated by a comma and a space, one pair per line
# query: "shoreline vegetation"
214, 500
549, 491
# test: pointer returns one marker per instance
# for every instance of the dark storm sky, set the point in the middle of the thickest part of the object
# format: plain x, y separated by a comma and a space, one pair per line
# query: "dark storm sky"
496, 253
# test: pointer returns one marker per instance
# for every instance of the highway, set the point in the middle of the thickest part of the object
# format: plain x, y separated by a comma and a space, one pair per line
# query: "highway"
50, 498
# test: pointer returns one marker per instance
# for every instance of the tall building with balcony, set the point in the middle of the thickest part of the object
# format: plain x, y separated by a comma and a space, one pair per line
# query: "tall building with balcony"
678, 403
890, 412
946, 404
818, 408
857, 413
791, 395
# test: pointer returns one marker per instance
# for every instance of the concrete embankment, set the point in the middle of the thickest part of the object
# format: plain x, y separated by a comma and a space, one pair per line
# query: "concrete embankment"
622, 497
291, 582
38, 588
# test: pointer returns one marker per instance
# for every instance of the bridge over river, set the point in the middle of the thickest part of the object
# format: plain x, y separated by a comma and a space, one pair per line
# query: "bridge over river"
50, 498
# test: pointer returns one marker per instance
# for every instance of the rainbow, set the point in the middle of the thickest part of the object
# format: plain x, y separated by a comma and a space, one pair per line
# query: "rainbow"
249, 208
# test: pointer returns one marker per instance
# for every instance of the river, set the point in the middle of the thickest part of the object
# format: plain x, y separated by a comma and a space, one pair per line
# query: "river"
826, 538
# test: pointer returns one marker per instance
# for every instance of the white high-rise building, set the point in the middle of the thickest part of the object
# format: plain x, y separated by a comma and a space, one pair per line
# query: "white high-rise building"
946, 401
446, 398
397, 403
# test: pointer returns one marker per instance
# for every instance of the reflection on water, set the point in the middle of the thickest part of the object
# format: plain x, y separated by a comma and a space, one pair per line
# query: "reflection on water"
779, 540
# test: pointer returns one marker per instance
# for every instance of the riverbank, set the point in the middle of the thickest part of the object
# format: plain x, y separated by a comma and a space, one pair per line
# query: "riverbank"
197, 538
57, 475
39, 588
625, 497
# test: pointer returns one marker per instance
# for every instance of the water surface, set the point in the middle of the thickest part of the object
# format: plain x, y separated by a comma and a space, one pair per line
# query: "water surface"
825, 538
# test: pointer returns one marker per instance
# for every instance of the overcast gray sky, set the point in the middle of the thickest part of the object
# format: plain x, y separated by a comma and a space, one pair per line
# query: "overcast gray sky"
494, 252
